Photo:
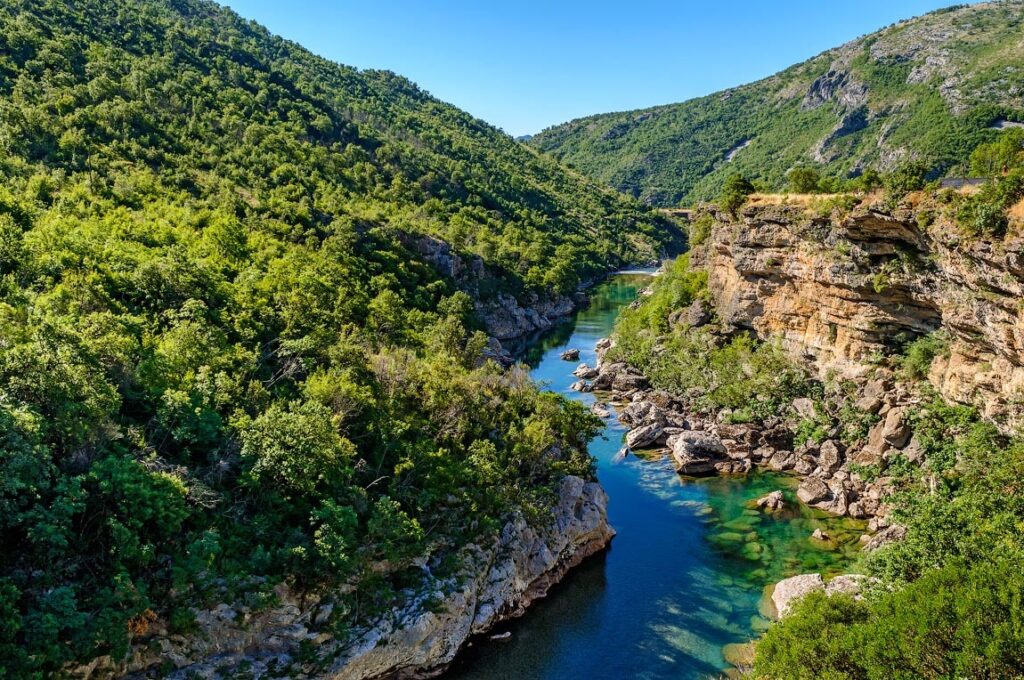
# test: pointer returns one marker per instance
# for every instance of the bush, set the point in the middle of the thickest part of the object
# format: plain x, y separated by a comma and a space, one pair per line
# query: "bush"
984, 213
734, 193
956, 622
919, 355
910, 177
803, 180
700, 229
1001, 156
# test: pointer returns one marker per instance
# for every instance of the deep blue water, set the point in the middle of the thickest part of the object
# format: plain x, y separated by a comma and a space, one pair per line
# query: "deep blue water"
663, 600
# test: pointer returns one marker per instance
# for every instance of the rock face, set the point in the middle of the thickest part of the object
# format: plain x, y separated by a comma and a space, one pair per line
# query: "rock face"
498, 582
838, 291
508, 317
504, 316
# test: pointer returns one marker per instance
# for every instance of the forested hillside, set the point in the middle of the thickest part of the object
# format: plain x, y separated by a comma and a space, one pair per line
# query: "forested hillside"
928, 90
220, 365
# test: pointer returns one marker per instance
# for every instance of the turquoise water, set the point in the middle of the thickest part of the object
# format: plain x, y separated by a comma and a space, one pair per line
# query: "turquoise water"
685, 574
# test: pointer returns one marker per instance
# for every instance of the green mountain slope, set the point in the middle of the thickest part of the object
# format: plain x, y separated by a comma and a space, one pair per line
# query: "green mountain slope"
222, 364
925, 89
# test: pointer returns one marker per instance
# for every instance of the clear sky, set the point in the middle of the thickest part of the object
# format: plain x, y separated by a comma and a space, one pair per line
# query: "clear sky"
526, 65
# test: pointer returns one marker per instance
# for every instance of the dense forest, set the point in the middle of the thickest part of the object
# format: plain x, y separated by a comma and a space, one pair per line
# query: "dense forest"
221, 363
927, 90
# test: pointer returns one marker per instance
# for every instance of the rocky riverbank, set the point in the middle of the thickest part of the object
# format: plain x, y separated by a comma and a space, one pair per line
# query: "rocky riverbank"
296, 635
703, 444
844, 295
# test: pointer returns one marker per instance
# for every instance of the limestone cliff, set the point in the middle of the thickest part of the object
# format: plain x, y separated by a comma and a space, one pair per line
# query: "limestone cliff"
505, 316
295, 637
843, 291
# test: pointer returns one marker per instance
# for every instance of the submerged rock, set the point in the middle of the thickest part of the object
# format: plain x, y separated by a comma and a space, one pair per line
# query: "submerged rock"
773, 502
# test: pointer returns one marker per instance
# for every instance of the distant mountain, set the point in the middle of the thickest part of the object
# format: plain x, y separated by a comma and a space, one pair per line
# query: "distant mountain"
928, 89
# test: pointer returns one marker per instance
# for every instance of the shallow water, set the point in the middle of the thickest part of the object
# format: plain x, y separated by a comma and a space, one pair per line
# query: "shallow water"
685, 573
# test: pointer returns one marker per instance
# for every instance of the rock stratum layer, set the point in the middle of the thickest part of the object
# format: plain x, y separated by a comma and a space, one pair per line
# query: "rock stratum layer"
841, 292
497, 582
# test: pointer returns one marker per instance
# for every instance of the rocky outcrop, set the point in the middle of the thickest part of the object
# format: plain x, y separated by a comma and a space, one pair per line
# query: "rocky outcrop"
786, 592
505, 316
838, 292
497, 581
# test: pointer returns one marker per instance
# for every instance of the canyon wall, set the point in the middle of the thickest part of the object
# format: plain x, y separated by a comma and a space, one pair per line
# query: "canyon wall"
842, 292
296, 636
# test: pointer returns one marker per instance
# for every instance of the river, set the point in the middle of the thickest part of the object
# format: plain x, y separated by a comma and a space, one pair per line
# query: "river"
684, 575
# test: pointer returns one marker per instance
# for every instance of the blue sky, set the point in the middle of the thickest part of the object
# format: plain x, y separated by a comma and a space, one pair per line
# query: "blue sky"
526, 65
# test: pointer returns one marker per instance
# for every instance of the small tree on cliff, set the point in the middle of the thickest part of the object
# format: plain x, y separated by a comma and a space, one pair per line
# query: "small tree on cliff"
734, 193
803, 180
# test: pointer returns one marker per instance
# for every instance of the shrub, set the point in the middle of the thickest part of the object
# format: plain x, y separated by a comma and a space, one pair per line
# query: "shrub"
734, 193
958, 621
700, 229
803, 180
910, 177
1004, 154
984, 213
920, 353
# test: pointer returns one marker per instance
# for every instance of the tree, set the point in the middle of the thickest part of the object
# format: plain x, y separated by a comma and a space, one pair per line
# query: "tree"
1000, 156
907, 178
734, 193
296, 447
803, 180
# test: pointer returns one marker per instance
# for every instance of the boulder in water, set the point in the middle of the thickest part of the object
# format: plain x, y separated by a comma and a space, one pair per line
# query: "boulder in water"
585, 372
773, 502
644, 436
570, 355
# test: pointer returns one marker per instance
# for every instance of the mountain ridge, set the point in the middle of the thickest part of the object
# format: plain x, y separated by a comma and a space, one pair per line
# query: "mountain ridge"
927, 88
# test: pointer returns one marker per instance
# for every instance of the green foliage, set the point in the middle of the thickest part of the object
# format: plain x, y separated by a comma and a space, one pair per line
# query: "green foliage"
984, 213
999, 157
734, 193
700, 229
907, 178
812, 430
965, 503
950, 602
867, 181
803, 180
918, 355
955, 622
752, 378
231, 345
